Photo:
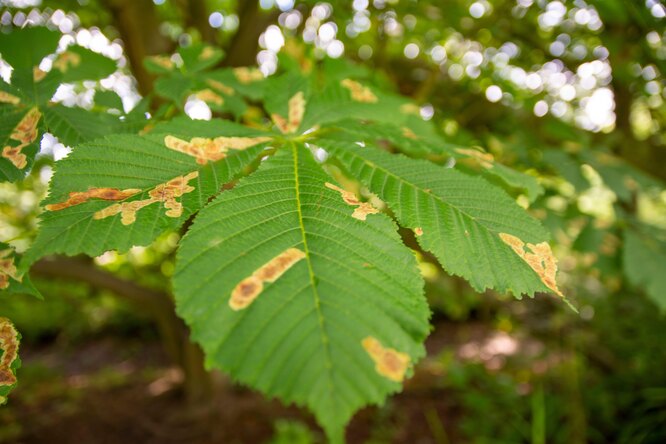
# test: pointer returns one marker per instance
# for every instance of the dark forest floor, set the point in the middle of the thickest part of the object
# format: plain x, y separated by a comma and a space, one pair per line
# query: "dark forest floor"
114, 390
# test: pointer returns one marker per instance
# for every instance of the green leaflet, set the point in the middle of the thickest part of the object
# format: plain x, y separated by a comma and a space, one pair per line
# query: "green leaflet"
9, 360
349, 98
25, 48
644, 260
220, 89
402, 138
619, 175
76, 125
508, 176
413, 143
25, 108
108, 100
302, 338
461, 219
166, 186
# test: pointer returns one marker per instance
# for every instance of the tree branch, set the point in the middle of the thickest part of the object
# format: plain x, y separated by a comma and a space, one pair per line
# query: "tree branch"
195, 15
242, 49
138, 26
155, 304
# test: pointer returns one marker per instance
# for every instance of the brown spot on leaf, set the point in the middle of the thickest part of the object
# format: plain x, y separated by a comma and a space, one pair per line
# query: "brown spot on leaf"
14, 155
204, 149
25, 133
210, 96
245, 293
359, 93
296, 110
280, 122
167, 193
485, 159
224, 89
295, 115
272, 270
418, 231
207, 53
7, 268
79, 197
362, 211
410, 108
407, 132
37, 74
9, 344
609, 244
249, 288
248, 75
162, 61
5, 97
389, 363
540, 259
66, 60
362, 208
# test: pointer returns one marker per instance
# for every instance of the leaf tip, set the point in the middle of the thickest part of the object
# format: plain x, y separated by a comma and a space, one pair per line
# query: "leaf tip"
540, 259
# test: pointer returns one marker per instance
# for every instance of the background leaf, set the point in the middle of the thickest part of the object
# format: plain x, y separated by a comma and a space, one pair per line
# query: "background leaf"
644, 260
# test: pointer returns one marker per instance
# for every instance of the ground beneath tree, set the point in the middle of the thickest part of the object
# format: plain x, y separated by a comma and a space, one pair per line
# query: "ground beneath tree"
117, 390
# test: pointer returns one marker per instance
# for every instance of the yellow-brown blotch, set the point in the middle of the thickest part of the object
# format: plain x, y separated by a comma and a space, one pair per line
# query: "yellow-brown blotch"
249, 288
362, 208
296, 110
210, 96
5, 97
25, 133
224, 89
79, 197
7, 269
9, 344
66, 60
485, 159
165, 193
389, 362
248, 75
162, 61
359, 93
207, 149
541, 259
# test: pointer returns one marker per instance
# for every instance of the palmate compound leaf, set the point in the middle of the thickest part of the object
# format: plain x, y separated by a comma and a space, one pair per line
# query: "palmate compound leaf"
125, 190
473, 228
299, 290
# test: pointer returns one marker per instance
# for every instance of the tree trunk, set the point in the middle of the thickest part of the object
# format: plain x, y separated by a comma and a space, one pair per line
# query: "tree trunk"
156, 305
138, 25
243, 47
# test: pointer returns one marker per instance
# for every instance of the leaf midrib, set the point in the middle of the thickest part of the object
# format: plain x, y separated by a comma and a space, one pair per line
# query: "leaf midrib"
317, 299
